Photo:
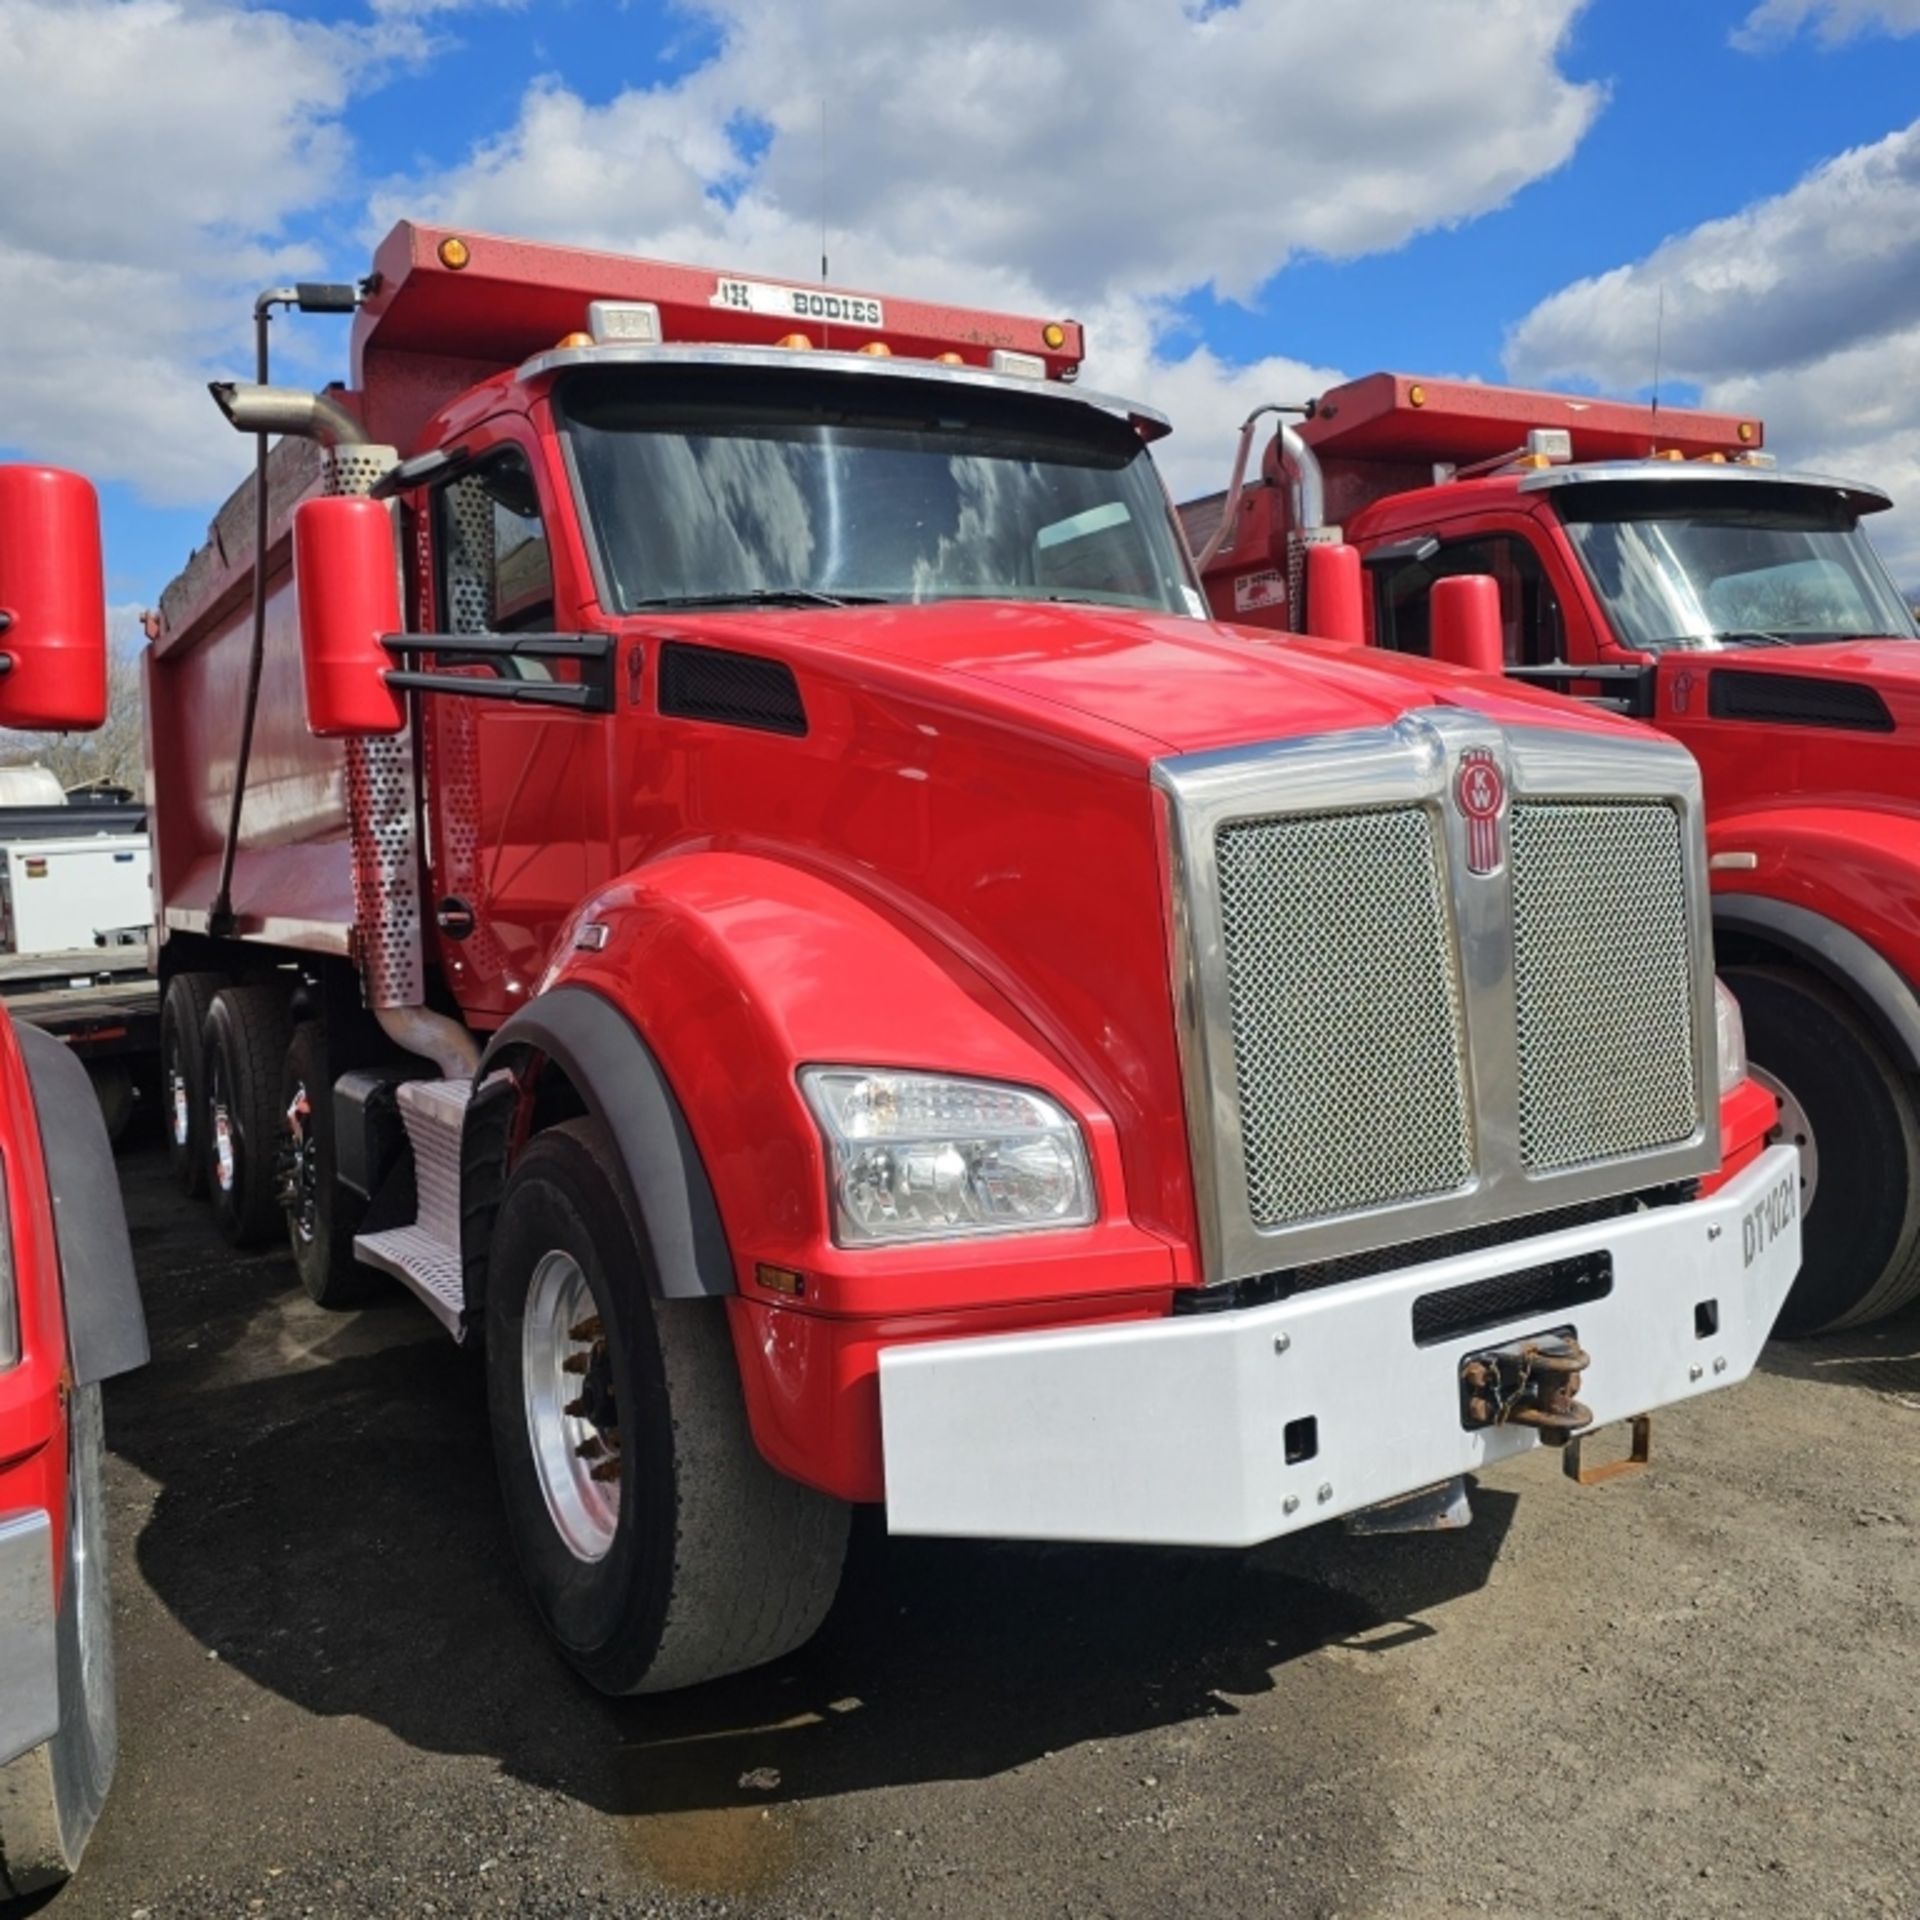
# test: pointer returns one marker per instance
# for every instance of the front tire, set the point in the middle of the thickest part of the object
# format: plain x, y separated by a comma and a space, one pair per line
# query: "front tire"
247, 1036
660, 1548
1861, 1233
51, 1797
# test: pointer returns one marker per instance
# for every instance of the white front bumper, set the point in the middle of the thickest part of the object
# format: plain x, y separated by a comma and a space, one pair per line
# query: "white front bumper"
1171, 1431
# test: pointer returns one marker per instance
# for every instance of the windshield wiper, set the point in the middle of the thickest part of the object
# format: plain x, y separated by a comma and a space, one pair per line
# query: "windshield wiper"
757, 597
1759, 637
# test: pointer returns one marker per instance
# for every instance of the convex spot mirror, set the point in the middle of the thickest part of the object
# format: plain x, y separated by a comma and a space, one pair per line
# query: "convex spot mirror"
53, 615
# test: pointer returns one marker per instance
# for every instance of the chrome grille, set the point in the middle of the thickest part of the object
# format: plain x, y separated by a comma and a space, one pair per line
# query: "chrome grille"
1345, 1011
1602, 981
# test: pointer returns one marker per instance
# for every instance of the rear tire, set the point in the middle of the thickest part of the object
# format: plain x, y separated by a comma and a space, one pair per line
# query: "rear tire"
51, 1796
1861, 1233
248, 1032
692, 1559
183, 1088
322, 1215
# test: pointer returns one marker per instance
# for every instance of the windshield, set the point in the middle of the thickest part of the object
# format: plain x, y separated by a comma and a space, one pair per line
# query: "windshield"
730, 486
1730, 563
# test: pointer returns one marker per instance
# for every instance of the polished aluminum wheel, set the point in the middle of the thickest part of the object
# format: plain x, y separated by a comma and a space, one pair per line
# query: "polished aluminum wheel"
567, 1383
1794, 1129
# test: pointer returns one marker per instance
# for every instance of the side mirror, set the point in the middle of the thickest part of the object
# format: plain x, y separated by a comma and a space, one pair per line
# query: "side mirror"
53, 607
1463, 615
1334, 599
347, 580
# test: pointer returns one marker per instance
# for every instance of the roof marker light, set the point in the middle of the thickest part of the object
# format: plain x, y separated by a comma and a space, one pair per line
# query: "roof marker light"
627, 323
797, 341
454, 252
1416, 395
1746, 430
576, 339
1550, 446
1054, 334
1024, 366
950, 359
878, 349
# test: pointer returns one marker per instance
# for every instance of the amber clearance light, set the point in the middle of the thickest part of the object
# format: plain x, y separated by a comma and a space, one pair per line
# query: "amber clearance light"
454, 252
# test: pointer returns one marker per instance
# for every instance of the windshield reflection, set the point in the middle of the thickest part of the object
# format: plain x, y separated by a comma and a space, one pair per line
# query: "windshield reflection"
1731, 564
727, 486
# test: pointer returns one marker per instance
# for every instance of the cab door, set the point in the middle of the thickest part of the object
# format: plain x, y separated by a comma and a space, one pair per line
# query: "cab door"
516, 796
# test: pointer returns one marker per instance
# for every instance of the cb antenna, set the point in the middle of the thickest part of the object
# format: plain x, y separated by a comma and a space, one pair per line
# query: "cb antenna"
823, 189
1659, 338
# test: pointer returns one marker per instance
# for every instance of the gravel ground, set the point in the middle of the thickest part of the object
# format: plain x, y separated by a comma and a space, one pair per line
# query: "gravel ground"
1693, 1691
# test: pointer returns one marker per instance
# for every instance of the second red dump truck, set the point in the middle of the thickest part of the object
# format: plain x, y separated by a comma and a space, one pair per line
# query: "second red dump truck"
720, 849
1657, 559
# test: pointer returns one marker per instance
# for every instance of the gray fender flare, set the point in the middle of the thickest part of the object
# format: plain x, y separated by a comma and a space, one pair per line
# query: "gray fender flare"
595, 1045
1868, 979
106, 1324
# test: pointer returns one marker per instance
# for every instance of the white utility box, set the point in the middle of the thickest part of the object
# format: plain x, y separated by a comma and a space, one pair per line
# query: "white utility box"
57, 896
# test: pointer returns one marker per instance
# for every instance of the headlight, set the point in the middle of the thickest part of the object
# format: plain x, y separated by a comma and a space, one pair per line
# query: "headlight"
1730, 1037
921, 1156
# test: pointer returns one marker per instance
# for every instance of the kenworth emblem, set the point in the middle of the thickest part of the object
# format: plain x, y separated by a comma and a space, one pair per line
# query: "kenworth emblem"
1481, 789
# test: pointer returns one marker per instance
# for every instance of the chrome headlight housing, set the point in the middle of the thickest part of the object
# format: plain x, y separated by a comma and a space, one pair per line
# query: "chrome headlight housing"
1729, 1036
929, 1156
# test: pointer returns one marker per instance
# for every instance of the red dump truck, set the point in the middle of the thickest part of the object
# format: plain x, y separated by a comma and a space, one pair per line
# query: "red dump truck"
754, 889
1655, 558
70, 1314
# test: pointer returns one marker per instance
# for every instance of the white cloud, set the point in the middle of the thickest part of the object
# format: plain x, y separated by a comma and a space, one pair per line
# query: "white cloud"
153, 150
1775, 21
1143, 145
1804, 308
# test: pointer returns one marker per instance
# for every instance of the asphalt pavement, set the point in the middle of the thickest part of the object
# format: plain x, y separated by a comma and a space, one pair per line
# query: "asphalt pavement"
1694, 1691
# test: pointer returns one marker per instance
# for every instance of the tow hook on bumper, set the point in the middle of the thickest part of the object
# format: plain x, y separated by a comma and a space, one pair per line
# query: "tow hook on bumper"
1527, 1383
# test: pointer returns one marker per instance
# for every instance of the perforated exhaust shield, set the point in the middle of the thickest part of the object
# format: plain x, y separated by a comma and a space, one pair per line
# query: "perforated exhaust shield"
381, 817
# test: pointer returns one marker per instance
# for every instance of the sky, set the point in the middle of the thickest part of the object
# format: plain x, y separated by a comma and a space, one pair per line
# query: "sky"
1243, 202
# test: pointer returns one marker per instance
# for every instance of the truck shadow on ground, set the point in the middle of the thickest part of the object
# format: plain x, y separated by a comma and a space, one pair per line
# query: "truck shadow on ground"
327, 1523
1883, 1358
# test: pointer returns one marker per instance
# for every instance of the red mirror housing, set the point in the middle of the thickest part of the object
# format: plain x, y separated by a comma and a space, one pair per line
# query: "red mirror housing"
1334, 600
53, 605
1464, 622
346, 577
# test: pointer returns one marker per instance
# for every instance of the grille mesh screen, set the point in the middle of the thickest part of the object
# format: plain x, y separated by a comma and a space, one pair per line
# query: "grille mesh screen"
1346, 1012
1602, 983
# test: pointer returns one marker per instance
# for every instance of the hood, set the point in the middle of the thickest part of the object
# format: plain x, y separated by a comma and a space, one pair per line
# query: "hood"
1172, 685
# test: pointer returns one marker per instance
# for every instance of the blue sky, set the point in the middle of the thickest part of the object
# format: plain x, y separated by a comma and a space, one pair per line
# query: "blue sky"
1241, 202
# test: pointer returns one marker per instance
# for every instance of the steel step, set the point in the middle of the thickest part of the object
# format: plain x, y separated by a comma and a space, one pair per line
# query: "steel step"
426, 1255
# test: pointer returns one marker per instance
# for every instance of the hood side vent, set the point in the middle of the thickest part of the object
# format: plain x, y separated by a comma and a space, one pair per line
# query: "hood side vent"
731, 689
1797, 700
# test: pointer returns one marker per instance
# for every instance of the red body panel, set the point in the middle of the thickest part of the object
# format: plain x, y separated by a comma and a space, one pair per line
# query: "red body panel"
33, 1393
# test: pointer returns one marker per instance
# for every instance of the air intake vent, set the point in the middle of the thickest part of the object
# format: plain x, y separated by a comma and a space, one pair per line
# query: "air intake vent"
1796, 700
734, 689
